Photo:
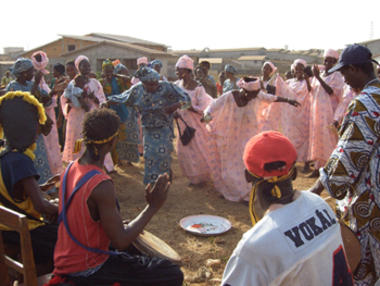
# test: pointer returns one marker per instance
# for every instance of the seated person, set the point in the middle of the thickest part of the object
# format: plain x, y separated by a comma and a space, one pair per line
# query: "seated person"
20, 117
94, 222
295, 239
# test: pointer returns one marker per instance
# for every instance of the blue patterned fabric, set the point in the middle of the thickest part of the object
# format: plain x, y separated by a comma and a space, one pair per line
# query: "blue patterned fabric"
146, 74
228, 85
157, 125
21, 65
127, 145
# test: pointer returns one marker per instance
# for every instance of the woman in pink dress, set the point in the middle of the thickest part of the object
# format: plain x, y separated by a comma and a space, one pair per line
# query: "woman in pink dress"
40, 61
327, 89
298, 131
91, 97
273, 116
348, 95
233, 120
194, 157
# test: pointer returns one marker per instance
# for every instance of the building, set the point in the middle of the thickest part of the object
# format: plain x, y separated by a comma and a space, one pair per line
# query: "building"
374, 46
250, 60
98, 46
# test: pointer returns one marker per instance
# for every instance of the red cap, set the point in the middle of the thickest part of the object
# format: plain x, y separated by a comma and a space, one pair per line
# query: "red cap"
268, 147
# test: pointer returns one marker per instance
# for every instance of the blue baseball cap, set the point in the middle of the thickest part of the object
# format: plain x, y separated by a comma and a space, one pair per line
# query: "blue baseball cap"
353, 54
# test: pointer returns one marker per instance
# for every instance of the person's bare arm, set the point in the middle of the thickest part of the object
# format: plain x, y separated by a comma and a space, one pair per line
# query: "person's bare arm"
32, 189
103, 196
325, 86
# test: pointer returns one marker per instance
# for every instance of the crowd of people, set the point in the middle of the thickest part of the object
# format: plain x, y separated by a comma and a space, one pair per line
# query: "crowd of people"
243, 135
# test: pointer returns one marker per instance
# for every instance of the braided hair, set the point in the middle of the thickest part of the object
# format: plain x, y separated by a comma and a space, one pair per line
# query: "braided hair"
99, 125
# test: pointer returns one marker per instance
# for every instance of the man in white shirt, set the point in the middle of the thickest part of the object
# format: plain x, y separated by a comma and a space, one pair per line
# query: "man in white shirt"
296, 239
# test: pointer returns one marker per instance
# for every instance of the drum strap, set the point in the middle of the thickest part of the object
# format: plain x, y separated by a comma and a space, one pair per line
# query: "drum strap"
62, 216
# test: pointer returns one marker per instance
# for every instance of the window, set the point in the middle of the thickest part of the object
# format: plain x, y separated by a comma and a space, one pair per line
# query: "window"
71, 48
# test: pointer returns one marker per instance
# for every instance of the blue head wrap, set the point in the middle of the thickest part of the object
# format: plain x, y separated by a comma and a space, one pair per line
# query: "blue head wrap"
119, 67
230, 69
155, 62
146, 74
21, 65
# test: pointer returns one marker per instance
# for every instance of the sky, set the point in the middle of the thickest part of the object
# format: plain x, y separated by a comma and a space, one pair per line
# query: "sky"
195, 24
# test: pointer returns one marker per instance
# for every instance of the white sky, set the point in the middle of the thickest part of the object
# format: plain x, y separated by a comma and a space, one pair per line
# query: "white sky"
195, 24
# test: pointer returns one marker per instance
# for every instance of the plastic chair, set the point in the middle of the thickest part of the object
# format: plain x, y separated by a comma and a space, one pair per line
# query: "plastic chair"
17, 222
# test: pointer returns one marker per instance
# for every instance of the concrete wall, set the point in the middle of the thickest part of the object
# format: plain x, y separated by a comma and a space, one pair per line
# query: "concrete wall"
100, 52
374, 46
57, 48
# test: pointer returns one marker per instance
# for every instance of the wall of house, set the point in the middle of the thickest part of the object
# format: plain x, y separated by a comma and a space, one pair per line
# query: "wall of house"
127, 56
57, 48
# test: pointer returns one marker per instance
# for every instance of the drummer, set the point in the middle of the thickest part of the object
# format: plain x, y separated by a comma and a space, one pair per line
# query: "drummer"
93, 218
351, 174
295, 239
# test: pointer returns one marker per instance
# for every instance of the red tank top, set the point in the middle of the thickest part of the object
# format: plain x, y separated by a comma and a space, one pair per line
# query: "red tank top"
69, 257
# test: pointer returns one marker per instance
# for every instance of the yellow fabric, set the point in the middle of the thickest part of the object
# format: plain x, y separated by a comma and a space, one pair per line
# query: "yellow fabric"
28, 97
78, 142
275, 192
25, 205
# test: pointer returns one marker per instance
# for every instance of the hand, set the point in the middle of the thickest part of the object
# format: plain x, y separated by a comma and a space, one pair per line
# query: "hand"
46, 128
176, 115
317, 188
105, 104
156, 195
170, 109
294, 102
50, 183
37, 77
316, 71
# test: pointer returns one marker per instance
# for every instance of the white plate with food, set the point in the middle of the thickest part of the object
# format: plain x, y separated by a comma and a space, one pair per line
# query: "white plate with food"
205, 225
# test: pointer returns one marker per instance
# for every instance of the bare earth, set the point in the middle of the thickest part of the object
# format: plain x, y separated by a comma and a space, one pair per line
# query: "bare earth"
184, 200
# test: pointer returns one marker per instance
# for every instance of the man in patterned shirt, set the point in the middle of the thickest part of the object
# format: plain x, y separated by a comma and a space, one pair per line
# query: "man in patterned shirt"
352, 171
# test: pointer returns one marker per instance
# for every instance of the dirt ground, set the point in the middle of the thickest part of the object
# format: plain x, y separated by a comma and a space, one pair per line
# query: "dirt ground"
184, 200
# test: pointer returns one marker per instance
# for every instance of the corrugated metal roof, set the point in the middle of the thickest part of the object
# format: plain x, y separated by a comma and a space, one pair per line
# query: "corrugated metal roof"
122, 45
126, 39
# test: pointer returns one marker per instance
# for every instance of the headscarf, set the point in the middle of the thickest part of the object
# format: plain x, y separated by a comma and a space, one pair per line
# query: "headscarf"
230, 68
106, 63
40, 66
142, 60
331, 53
119, 67
79, 59
21, 65
155, 63
146, 74
300, 61
185, 62
249, 86
274, 68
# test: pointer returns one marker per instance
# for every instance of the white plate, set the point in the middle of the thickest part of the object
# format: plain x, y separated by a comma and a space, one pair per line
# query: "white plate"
205, 225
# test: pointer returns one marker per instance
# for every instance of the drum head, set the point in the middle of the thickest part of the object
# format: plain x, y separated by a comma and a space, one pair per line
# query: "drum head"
151, 245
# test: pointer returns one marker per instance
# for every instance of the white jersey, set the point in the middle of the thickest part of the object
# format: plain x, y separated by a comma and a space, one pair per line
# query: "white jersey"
297, 244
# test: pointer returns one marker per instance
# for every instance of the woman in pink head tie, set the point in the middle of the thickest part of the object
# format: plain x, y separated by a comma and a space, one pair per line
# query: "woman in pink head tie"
232, 120
298, 130
90, 95
272, 117
194, 157
40, 61
141, 62
327, 91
